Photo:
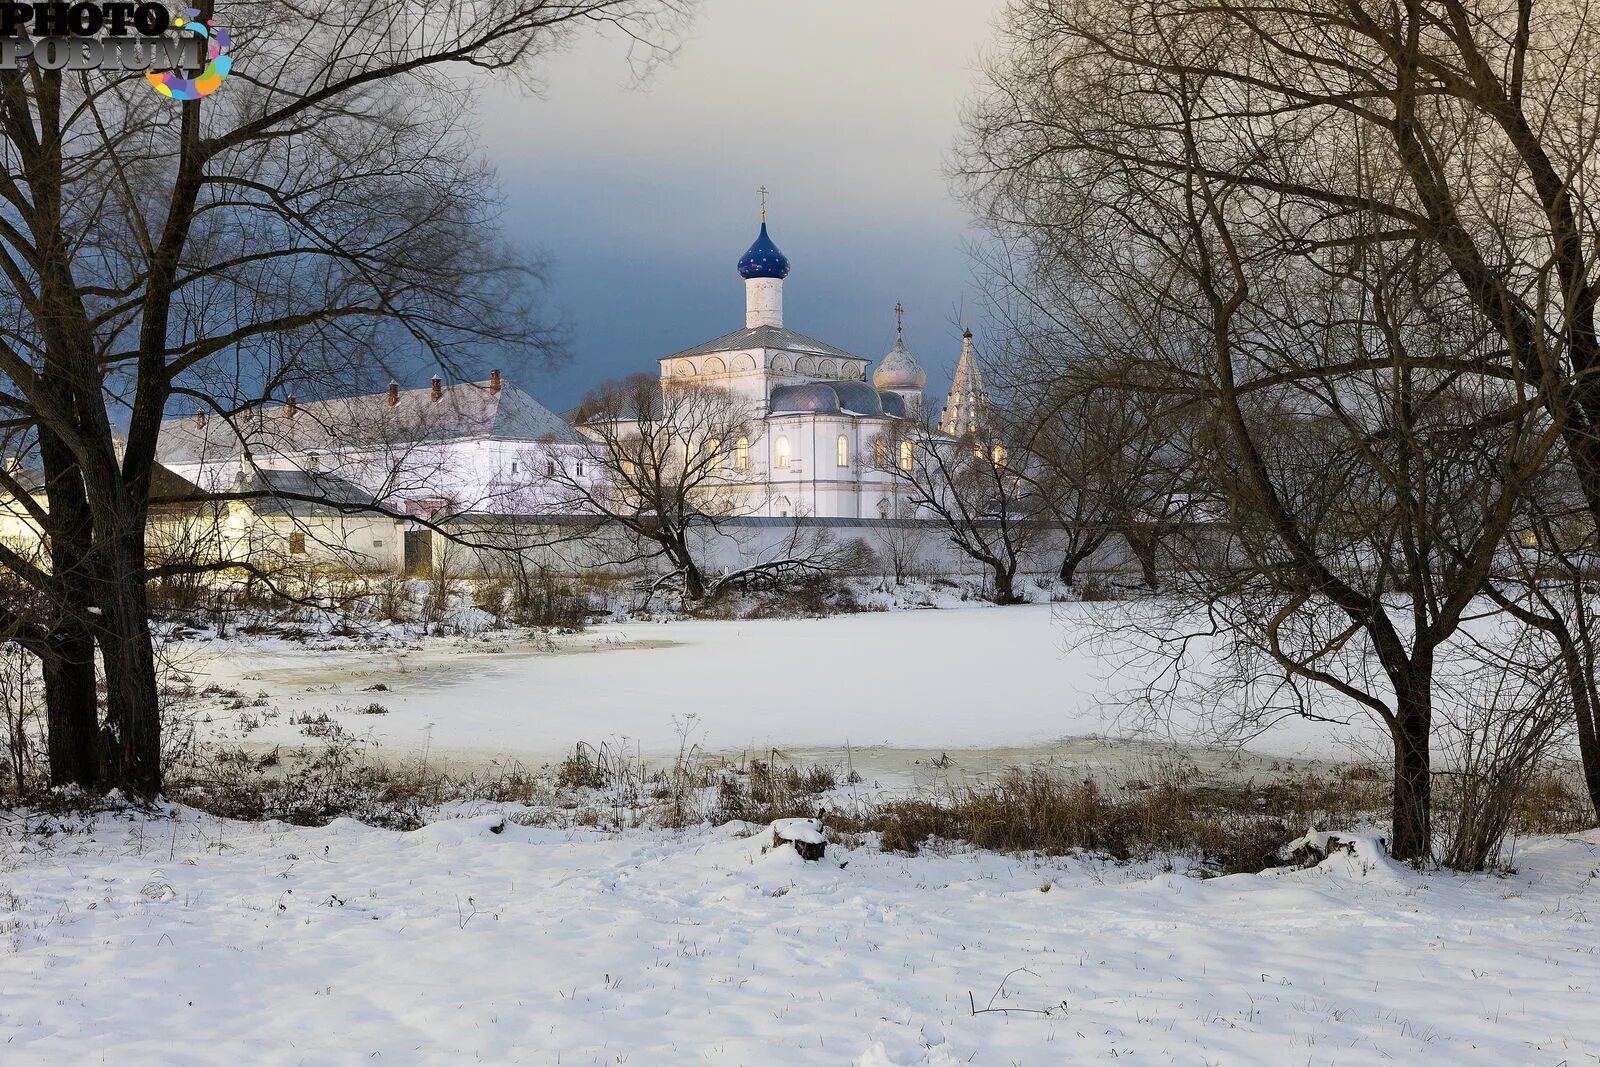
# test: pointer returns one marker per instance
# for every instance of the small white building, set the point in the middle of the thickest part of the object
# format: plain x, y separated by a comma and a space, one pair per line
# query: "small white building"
471, 446
297, 518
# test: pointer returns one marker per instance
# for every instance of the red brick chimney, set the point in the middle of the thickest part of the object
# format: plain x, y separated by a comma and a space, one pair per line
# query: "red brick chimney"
438, 389
394, 392
494, 381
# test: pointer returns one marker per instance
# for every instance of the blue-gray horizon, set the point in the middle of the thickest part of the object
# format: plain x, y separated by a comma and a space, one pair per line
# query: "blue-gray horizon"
642, 196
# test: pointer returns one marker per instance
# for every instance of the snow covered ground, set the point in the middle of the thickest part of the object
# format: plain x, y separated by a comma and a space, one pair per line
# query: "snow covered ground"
970, 678
187, 940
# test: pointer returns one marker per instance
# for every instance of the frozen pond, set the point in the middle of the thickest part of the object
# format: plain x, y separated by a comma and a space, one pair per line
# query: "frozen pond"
984, 686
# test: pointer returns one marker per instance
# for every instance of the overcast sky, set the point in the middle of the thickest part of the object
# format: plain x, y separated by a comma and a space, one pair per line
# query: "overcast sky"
643, 197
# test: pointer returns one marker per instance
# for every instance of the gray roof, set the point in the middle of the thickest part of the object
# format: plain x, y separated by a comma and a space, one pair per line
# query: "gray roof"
464, 411
765, 337
332, 491
813, 397
834, 398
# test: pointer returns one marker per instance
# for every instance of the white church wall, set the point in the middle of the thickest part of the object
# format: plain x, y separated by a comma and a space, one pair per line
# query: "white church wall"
742, 542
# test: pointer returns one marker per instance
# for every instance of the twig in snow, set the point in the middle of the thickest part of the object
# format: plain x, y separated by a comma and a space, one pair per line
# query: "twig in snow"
999, 991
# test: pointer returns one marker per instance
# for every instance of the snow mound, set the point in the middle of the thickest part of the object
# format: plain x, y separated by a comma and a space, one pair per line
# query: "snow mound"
878, 1055
807, 831
1353, 855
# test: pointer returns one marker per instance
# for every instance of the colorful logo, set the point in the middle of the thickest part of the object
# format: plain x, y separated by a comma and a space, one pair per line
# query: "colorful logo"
218, 61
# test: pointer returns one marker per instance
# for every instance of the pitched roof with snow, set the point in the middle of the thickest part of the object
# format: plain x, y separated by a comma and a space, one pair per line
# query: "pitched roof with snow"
464, 411
331, 492
765, 337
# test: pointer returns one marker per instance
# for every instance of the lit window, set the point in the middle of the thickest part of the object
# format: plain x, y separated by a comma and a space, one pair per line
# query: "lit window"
998, 454
905, 455
880, 452
844, 451
297, 544
780, 453
741, 454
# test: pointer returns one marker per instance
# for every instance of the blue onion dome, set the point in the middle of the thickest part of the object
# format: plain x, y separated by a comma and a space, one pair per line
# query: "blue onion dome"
763, 260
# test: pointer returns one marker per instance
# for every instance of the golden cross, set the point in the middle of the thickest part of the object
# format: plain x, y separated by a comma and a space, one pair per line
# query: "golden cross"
899, 321
763, 191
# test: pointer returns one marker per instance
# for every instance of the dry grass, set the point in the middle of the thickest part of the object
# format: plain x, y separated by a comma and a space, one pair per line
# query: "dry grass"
1224, 828
1221, 824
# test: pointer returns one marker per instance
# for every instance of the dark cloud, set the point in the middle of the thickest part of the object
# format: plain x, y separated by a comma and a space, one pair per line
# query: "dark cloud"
643, 196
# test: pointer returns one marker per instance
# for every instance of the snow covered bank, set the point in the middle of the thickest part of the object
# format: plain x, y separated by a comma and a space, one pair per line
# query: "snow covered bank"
947, 679
138, 940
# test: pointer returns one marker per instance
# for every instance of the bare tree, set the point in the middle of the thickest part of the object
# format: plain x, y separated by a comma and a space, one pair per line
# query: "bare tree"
974, 487
1106, 461
1365, 435
664, 467
300, 219
900, 543
1477, 113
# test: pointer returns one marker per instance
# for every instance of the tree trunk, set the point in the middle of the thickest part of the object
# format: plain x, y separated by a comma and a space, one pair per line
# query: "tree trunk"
133, 704
1076, 554
1004, 582
1069, 565
1413, 826
1580, 686
694, 583
1143, 543
72, 713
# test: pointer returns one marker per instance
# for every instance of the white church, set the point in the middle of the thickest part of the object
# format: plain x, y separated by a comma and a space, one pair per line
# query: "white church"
822, 442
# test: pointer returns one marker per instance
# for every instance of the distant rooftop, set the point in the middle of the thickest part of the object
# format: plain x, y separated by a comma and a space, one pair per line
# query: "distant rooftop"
463, 411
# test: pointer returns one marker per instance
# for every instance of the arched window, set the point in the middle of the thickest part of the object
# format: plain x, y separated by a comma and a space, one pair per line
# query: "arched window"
998, 455
844, 451
880, 452
905, 455
580, 468
741, 454
780, 453
714, 457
